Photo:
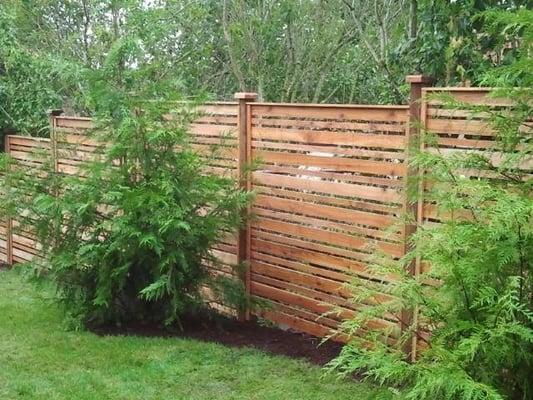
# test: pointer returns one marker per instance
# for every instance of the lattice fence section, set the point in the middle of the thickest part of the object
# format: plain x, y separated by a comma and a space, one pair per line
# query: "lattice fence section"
30, 153
5, 247
73, 143
452, 128
3, 242
213, 136
329, 191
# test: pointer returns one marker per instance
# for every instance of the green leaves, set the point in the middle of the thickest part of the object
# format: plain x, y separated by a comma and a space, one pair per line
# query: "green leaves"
130, 236
473, 297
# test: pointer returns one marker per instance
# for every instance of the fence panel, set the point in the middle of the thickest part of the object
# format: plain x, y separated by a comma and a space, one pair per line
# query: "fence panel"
72, 143
30, 153
214, 135
215, 127
456, 120
329, 188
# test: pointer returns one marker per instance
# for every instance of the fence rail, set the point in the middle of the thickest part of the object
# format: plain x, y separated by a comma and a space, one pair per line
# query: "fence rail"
331, 187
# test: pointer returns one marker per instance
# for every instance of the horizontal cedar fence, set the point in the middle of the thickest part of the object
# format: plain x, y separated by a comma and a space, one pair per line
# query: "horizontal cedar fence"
71, 145
454, 128
330, 187
457, 130
30, 154
216, 126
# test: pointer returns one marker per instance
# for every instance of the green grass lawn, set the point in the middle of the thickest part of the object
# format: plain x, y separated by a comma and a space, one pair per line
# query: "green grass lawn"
39, 359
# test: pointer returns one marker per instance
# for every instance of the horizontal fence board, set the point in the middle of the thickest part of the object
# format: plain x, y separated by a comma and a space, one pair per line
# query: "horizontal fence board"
333, 150
320, 138
287, 215
324, 211
327, 236
332, 188
333, 112
323, 198
330, 163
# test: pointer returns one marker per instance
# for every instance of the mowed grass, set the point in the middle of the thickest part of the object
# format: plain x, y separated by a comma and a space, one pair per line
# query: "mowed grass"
39, 359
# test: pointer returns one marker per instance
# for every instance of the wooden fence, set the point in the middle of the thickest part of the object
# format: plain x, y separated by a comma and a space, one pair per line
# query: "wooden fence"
331, 186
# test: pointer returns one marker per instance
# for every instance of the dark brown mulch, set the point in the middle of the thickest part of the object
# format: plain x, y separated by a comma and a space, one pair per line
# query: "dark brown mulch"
235, 333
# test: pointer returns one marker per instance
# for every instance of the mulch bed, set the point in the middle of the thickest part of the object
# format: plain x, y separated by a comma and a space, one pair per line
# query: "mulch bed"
235, 333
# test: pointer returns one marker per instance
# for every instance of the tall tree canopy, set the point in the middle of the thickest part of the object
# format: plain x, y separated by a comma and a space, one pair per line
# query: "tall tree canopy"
337, 51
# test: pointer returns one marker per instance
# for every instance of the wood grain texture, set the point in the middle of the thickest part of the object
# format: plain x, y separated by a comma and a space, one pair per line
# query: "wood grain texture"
330, 189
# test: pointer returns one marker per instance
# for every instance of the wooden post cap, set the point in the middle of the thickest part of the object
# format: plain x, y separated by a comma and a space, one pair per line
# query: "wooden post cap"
418, 79
55, 111
245, 96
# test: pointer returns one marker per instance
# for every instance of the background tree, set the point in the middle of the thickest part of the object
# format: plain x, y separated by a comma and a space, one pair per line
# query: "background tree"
475, 301
339, 51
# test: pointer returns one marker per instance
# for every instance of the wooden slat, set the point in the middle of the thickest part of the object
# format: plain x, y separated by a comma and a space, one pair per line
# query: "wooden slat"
313, 137
331, 163
377, 234
327, 212
472, 96
351, 203
326, 236
334, 150
332, 188
330, 125
336, 112
395, 181
458, 126
277, 237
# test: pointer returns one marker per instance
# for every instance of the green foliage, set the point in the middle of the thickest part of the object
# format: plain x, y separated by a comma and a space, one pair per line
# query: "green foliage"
31, 82
513, 34
339, 51
128, 238
474, 305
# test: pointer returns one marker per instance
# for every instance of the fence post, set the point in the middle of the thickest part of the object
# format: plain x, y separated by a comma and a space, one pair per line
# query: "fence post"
410, 207
244, 143
52, 114
9, 221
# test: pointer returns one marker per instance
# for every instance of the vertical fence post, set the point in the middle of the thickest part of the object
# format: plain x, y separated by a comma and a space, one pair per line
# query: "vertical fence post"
9, 221
52, 114
244, 143
410, 206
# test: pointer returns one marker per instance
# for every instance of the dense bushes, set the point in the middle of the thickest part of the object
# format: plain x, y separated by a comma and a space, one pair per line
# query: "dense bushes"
474, 306
128, 238
475, 303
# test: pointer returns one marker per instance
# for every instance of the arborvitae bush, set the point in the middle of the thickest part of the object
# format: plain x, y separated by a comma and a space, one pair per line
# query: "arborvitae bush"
473, 307
475, 302
128, 237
